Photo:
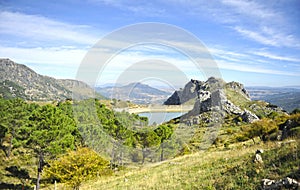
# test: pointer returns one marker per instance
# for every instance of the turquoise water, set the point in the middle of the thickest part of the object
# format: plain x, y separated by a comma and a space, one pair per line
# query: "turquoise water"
160, 117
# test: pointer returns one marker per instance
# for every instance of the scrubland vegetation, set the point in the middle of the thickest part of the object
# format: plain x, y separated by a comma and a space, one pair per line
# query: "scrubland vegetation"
75, 144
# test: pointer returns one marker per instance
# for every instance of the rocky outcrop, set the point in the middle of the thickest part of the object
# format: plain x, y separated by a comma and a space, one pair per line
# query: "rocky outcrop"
257, 158
42, 88
202, 89
181, 96
290, 128
239, 88
248, 117
286, 183
211, 97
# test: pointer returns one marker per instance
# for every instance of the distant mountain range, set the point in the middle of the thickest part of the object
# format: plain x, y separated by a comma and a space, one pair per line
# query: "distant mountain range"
286, 97
135, 92
17, 80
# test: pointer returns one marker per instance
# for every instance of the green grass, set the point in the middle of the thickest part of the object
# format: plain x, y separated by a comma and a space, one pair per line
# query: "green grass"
213, 169
236, 98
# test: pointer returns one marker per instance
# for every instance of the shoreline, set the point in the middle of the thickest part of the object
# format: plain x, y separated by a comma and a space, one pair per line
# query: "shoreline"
157, 108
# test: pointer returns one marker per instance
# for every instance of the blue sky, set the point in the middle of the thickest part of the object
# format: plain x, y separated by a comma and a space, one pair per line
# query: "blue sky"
254, 42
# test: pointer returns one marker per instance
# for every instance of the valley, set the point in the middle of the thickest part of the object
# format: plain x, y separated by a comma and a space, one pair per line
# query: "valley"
72, 140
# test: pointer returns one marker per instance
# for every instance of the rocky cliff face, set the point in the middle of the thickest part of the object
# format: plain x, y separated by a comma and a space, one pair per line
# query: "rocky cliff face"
181, 96
41, 88
215, 99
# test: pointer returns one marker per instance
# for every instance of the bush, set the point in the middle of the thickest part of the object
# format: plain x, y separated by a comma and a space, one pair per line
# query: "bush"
241, 138
261, 129
77, 166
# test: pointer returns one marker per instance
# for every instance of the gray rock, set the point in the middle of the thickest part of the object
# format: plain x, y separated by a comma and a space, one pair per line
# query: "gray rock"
248, 117
181, 96
289, 183
258, 159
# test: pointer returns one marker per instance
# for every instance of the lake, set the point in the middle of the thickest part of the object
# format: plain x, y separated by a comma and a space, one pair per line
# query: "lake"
160, 117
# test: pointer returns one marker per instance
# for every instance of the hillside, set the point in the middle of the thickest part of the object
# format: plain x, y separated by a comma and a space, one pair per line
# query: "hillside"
135, 92
17, 78
211, 147
231, 168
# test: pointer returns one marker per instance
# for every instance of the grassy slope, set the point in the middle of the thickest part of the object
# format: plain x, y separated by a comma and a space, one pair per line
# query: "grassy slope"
213, 169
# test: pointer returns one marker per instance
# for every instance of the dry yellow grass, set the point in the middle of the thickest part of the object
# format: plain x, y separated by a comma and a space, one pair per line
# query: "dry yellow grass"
211, 169
196, 171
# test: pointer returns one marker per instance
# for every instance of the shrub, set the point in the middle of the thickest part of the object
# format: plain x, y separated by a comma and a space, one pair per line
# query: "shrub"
261, 129
77, 166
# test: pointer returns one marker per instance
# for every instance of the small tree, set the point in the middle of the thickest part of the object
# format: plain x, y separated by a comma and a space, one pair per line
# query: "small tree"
147, 139
164, 132
77, 166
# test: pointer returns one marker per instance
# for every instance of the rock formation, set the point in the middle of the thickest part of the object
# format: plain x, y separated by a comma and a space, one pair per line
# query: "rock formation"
190, 91
212, 96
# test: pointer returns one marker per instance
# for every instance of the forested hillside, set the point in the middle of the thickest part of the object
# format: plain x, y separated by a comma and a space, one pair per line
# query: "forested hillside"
33, 135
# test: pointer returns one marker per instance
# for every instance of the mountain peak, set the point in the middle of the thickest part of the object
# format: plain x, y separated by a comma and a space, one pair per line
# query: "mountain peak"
192, 88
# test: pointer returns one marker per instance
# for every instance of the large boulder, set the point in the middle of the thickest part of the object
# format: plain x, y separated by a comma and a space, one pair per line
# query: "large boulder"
248, 117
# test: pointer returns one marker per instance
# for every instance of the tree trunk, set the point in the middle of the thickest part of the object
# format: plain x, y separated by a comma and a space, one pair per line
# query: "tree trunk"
40, 169
162, 152
38, 180
112, 157
10, 143
144, 155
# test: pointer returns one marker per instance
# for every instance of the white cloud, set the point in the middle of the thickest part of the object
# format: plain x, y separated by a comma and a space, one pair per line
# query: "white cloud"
268, 36
142, 8
264, 22
258, 37
56, 56
254, 69
249, 62
252, 8
276, 57
35, 27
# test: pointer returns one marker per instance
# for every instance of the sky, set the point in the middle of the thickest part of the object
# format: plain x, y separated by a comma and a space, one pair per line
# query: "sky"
254, 42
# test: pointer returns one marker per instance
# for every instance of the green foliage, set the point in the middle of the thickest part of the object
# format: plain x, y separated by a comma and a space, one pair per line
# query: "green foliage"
77, 166
261, 128
51, 131
14, 115
164, 132
295, 111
